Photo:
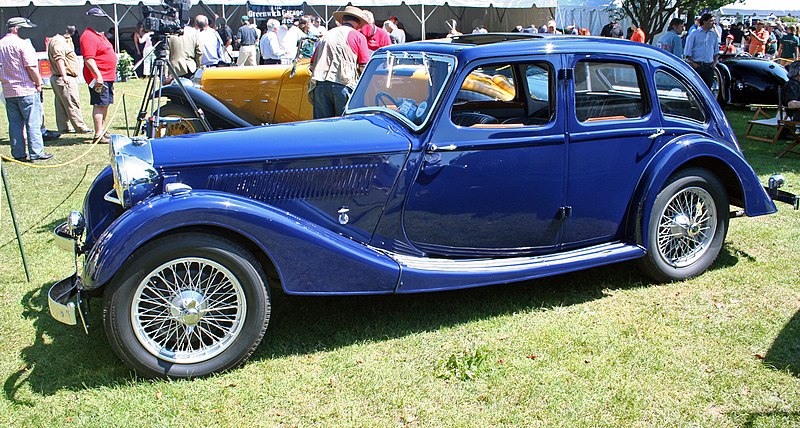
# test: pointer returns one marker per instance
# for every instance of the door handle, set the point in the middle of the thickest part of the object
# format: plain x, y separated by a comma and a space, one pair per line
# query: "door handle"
449, 147
657, 134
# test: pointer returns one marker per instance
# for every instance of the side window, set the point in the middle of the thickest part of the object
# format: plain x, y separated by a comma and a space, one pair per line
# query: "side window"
675, 98
505, 95
608, 91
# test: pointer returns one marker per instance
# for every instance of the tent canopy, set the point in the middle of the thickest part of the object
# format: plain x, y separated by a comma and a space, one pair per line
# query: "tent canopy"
762, 8
500, 4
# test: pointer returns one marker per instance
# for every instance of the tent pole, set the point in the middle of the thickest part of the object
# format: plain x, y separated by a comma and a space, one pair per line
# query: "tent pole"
116, 29
424, 18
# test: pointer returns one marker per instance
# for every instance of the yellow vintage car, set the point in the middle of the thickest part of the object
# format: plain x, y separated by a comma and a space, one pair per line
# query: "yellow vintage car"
235, 97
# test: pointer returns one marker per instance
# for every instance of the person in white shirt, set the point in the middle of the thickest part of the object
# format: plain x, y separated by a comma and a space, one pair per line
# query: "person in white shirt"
289, 40
271, 50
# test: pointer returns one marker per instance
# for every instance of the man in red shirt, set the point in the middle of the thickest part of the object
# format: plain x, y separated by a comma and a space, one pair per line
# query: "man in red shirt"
100, 72
376, 36
338, 62
638, 34
758, 40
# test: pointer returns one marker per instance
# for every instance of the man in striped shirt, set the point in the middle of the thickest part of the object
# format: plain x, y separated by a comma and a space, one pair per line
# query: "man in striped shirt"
19, 74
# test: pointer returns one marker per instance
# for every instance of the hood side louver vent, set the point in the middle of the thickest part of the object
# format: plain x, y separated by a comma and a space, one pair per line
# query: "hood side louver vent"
303, 183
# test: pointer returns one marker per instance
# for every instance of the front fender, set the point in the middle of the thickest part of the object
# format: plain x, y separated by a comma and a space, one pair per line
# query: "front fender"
309, 259
220, 114
696, 151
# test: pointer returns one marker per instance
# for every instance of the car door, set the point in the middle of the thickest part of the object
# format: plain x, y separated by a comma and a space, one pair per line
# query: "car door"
491, 183
613, 132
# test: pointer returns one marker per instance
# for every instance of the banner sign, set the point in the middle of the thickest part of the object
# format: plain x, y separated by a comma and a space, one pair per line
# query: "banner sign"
274, 12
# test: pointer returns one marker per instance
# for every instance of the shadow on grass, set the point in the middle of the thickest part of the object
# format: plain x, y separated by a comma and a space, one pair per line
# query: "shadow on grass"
63, 357
775, 418
784, 354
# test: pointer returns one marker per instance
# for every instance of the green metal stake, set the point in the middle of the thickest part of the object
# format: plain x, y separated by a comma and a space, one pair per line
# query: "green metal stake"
14, 220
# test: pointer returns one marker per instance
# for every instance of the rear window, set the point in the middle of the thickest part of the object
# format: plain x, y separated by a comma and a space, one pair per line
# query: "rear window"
608, 91
676, 100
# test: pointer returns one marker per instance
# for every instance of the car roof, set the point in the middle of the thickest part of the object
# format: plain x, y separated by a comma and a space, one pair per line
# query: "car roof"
474, 46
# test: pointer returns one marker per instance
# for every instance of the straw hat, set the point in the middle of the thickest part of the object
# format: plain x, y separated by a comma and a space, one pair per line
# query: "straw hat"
352, 11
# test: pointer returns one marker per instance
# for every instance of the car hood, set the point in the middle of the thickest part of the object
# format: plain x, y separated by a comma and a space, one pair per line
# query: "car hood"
349, 135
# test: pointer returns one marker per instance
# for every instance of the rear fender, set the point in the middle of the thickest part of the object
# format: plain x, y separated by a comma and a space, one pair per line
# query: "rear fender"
221, 115
309, 259
700, 152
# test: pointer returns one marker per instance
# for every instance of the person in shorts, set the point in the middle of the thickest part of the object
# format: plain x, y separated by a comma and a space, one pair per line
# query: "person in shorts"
99, 71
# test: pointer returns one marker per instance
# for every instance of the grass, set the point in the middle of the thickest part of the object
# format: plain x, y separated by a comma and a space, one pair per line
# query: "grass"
604, 347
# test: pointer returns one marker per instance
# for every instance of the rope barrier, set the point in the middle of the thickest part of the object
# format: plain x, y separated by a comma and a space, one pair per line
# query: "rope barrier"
95, 141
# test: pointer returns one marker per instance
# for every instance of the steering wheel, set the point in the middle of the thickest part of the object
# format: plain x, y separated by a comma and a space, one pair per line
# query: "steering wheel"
383, 97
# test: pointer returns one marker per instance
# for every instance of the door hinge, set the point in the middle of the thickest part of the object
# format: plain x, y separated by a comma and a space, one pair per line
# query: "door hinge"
564, 212
565, 74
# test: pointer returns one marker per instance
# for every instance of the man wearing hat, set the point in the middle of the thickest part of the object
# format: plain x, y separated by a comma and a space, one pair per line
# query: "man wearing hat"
247, 38
337, 63
99, 71
22, 84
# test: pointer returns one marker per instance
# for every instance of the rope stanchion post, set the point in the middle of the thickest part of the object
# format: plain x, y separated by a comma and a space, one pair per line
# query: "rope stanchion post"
14, 220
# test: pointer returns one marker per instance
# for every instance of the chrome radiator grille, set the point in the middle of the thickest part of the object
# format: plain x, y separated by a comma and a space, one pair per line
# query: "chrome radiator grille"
302, 183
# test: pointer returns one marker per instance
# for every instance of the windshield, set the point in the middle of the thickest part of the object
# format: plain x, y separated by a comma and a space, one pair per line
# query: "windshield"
404, 84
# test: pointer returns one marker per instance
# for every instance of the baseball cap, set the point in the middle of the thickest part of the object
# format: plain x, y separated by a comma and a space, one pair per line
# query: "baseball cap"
245, 18
96, 11
19, 21
730, 36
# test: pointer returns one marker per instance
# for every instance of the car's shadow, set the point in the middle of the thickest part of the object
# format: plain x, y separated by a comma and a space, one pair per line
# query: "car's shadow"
784, 354
63, 357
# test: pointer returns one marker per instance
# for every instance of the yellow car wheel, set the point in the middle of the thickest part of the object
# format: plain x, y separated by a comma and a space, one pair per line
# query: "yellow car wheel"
189, 124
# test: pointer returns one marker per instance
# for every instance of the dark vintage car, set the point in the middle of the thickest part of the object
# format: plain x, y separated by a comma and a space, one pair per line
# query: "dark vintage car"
742, 79
456, 165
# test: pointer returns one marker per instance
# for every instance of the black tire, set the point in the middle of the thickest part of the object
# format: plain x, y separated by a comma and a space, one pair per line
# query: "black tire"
224, 291
189, 125
687, 226
721, 91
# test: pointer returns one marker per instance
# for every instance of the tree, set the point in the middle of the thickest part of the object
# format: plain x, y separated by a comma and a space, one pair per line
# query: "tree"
654, 15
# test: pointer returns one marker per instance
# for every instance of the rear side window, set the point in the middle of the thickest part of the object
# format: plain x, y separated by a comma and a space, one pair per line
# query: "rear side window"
608, 91
676, 100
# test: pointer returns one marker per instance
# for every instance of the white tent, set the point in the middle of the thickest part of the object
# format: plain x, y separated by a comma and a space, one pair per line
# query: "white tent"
591, 14
762, 8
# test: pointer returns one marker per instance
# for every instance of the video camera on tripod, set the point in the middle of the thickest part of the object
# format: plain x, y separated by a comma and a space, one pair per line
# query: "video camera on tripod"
174, 14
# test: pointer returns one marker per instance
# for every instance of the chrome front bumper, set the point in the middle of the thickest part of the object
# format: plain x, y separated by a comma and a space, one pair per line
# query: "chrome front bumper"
66, 303
65, 298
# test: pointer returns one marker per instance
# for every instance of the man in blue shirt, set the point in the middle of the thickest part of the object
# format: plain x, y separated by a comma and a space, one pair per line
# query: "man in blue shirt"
702, 49
671, 40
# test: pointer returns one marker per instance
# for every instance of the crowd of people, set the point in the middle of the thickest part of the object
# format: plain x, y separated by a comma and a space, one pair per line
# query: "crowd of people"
337, 58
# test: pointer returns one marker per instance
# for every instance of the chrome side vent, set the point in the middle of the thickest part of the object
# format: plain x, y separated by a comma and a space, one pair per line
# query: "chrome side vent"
302, 183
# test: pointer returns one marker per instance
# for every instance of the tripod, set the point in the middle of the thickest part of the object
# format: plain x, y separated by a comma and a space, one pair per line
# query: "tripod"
152, 93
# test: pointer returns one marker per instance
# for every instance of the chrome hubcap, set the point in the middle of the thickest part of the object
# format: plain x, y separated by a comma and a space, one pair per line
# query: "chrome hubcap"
188, 310
686, 227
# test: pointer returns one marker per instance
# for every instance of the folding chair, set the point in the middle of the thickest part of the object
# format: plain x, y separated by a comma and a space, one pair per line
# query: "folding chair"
762, 118
792, 129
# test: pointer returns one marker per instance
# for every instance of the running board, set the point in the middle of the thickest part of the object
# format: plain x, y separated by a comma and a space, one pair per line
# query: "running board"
429, 274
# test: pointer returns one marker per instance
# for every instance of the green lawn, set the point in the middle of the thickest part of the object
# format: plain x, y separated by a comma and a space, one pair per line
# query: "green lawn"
604, 347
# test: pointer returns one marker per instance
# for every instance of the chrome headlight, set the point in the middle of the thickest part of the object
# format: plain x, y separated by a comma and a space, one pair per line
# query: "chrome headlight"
135, 176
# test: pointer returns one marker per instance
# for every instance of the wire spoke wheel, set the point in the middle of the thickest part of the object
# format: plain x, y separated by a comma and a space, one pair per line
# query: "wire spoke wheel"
188, 310
686, 227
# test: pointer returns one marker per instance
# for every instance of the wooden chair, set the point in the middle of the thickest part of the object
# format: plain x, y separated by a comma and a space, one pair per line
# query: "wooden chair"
791, 129
762, 118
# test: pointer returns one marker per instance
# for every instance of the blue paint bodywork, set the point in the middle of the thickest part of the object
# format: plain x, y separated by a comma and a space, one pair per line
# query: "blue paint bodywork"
489, 210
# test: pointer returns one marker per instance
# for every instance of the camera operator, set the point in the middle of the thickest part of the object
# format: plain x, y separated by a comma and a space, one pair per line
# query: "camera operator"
184, 51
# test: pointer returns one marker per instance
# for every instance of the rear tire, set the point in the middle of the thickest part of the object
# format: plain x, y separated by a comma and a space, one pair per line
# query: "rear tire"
187, 305
687, 226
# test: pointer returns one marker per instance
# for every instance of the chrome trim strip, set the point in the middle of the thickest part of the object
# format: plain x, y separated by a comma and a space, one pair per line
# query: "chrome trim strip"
500, 265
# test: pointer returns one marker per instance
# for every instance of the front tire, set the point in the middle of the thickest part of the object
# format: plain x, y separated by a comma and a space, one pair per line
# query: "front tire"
187, 305
687, 226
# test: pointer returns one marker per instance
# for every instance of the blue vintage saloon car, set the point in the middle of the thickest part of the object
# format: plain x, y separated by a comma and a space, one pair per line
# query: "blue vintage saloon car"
481, 161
